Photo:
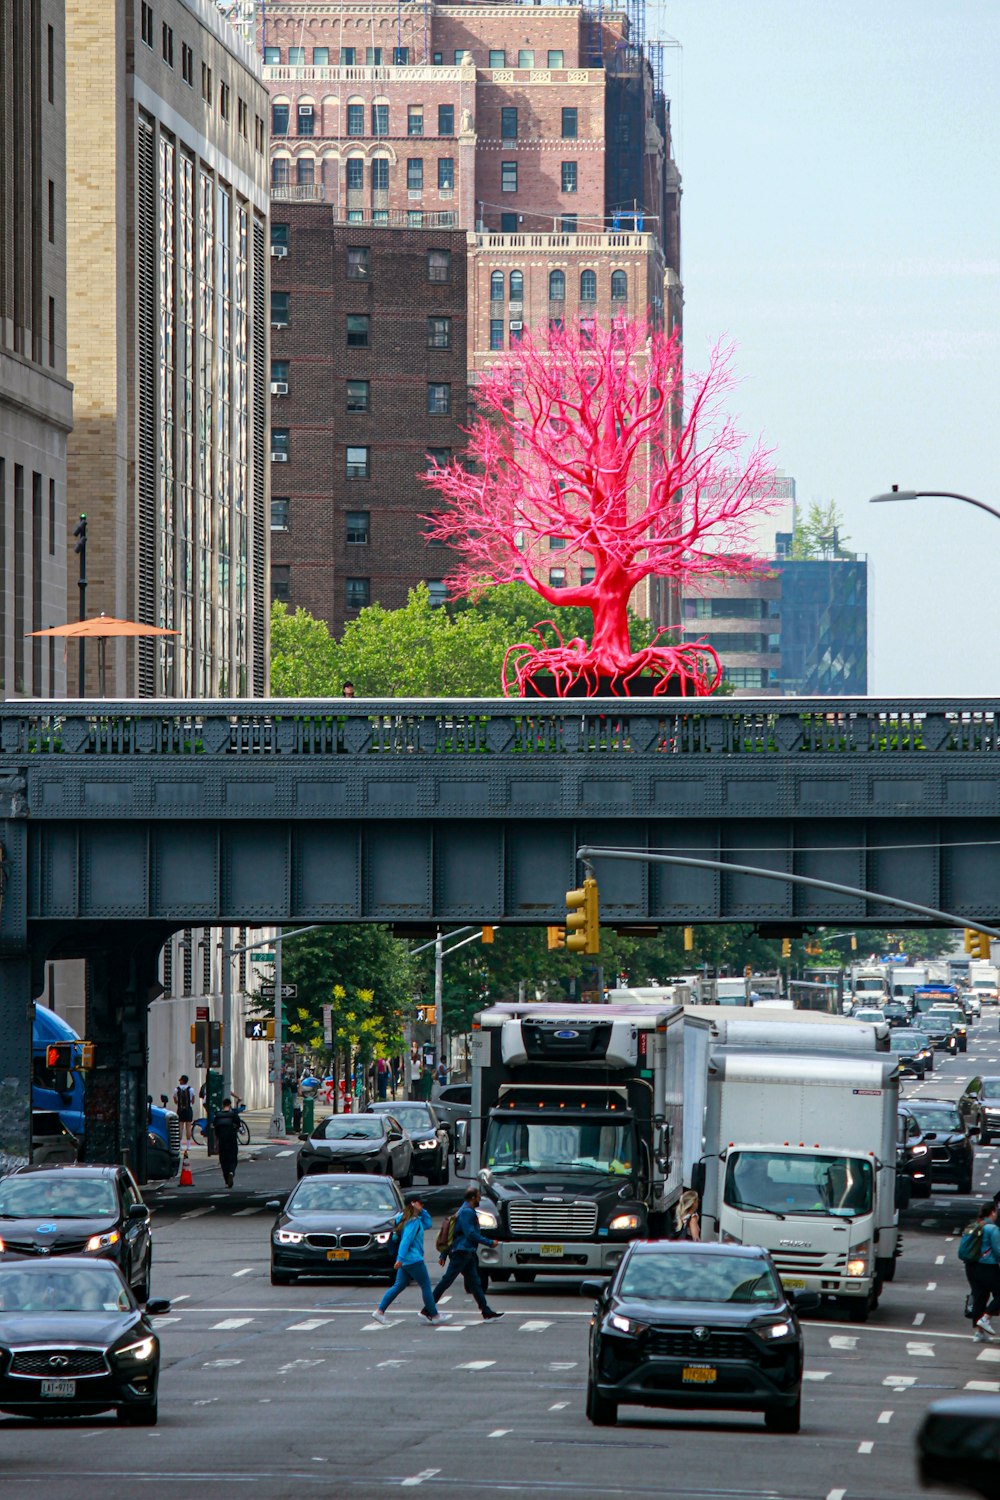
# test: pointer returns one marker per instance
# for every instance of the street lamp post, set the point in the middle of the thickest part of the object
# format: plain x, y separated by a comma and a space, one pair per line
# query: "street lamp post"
897, 494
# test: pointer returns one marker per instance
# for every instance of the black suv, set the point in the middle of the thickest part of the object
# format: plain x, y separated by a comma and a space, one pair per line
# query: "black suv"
947, 1154
979, 1107
428, 1136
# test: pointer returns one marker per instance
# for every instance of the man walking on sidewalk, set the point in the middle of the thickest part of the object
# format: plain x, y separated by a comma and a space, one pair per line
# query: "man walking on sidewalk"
463, 1256
979, 1250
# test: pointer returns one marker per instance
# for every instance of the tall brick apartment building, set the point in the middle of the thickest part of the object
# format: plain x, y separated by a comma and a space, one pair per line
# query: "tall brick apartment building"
541, 131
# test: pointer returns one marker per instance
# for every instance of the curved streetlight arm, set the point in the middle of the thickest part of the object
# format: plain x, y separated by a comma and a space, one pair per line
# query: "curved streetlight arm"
897, 494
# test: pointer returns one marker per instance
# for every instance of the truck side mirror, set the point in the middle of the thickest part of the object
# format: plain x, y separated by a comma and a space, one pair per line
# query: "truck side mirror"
461, 1137
698, 1178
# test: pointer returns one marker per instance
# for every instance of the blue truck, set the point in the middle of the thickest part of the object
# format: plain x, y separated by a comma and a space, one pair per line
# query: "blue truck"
57, 1105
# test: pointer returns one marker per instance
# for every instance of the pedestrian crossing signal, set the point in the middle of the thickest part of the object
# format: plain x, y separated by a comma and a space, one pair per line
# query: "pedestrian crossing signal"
556, 937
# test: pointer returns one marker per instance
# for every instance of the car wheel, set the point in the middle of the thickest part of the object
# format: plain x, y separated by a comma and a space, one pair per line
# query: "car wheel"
963, 1046
922, 1189
524, 1277
857, 1309
498, 1275
141, 1292
964, 1184
784, 1418
406, 1181
600, 1411
139, 1416
283, 1278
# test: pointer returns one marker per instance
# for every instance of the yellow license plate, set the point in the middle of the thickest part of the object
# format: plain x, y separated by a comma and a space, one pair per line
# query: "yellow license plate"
338, 1255
553, 1250
699, 1374
793, 1283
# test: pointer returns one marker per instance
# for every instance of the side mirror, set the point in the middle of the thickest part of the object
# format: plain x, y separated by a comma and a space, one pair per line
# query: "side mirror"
804, 1302
158, 1308
274, 1203
593, 1288
698, 1178
137, 1212
462, 1136
959, 1444
164, 1100
303, 1135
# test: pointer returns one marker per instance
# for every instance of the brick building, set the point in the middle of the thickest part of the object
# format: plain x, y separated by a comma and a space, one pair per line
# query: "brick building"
368, 385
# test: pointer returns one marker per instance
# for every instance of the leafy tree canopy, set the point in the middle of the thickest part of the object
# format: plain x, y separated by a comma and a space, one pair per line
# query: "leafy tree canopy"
820, 534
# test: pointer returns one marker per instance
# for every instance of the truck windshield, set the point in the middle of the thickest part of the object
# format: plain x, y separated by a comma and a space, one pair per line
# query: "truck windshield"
595, 1145
776, 1182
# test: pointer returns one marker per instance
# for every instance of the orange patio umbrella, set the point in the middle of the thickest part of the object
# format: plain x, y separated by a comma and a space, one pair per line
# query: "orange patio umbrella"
103, 629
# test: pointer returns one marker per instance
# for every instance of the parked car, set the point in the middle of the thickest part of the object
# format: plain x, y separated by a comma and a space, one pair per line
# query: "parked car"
949, 1153
336, 1226
978, 1105
357, 1143
696, 1325
77, 1210
952, 1015
73, 1342
428, 1136
913, 1051
453, 1102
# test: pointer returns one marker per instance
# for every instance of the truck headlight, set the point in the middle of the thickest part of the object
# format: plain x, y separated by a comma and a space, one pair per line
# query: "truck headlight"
487, 1219
102, 1241
624, 1221
287, 1237
857, 1259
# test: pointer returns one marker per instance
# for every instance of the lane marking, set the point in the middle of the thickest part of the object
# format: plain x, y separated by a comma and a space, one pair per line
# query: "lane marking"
901, 1382
815, 1374
563, 1364
311, 1324
932, 1286
475, 1364
918, 1318
559, 1406
232, 1323
836, 1495
284, 1153
982, 1385
186, 1297
927, 1350
300, 1364
939, 1260
390, 1364
499, 1432
990, 1356
242, 1213
865, 1447
419, 1478
884, 1417
157, 1321
196, 1213
843, 1341
220, 1364
534, 1325
246, 1271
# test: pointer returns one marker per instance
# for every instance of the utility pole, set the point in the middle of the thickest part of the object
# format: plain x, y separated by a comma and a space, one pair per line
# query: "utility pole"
80, 532
438, 997
277, 1113
227, 1013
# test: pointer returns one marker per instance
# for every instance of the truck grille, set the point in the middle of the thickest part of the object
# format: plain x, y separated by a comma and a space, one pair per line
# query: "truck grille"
680, 1343
173, 1134
563, 1221
70, 1362
802, 1262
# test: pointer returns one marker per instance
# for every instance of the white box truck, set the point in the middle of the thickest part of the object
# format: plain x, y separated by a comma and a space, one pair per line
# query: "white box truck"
984, 979
576, 1133
800, 1157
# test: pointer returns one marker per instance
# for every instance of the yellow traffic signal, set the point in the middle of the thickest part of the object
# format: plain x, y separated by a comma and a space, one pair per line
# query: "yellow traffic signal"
487, 934
854, 942
556, 937
786, 947
583, 918
977, 943
688, 939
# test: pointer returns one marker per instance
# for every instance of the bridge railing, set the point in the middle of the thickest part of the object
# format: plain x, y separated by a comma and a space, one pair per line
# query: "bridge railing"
463, 727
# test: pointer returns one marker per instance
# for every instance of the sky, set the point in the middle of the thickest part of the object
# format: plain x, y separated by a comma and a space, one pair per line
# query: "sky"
841, 224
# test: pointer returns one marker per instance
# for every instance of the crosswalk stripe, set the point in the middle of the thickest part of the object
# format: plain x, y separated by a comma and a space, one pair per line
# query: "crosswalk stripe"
310, 1324
196, 1213
232, 1323
534, 1325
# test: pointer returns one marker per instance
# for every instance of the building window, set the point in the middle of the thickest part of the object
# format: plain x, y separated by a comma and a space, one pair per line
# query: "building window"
400, 57
279, 371
496, 286
517, 286
496, 333
557, 578
508, 177
446, 173
619, 286
358, 528
305, 171
508, 223
569, 176
567, 224
296, 57
557, 286
355, 179
279, 513
168, 45
358, 393
508, 123
280, 168
414, 218
438, 399
52, 212
279, 309
588, 286
307, 119
187, 64
439, 265
446, 119
242, 117
279, 234
347, 57
380, 176
224, 100
359, 593
439, 333
438, 458
569, 124
744, 677
279, 440
525, 58
555, 60
380, 119
281, 583
357, 463
50, 66
586, 575
52, 333
415, 174
459, 53
587, 326
358, 325
437, 59
415, 119
206, 83
272, 57
147, 23
355, 119
516, 328
359, 263
373, 57
321, 57
498, 57
279, 119
437, 589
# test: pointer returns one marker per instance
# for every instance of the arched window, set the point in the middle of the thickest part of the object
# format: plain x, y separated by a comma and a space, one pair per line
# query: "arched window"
517, 286
619, 286
281, 167
588, 286
496, 287
557, 286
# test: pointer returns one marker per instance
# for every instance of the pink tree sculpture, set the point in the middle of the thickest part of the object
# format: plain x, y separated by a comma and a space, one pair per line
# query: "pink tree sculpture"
579, 437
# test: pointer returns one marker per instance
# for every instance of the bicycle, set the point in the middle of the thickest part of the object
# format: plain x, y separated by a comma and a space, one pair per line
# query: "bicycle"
199, 1129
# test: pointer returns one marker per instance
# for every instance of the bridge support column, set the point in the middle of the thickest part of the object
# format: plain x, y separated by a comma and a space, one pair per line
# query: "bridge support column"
16, 1010
119, 985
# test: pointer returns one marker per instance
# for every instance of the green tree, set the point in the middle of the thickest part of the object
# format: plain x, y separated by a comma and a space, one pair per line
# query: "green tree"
303, 656
820, 534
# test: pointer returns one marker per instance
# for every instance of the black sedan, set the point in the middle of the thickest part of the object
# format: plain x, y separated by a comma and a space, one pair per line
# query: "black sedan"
73, 1342
939, 1029
947, 1154
73, 1210
428, 1136
952, 1015
913, 1051
336, 1226
358, 1143
696, 1325
979, 1107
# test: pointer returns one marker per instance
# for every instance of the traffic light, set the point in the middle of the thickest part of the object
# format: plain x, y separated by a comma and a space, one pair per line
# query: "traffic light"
854, 942
977, 944
556, 937
688, 939
583, 920
488, 934
786, 947
86, 1056
59, 1055
80, 532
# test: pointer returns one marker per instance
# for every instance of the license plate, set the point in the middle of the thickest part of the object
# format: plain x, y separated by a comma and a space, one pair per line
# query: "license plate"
793, 1283
552, 1250
338, 1255
62, 1388
699, 1374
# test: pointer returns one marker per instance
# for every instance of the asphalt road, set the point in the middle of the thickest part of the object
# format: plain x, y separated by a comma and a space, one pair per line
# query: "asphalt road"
290, 1392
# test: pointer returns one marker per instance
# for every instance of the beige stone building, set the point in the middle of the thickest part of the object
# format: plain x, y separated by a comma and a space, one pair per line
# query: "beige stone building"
168, 294
35, 396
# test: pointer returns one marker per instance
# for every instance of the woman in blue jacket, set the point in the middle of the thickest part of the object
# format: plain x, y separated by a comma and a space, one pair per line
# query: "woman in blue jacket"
410, 1264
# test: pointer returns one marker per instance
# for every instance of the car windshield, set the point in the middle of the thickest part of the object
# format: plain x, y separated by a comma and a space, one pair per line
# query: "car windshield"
991, 1088
348, 1128
936, 1117
869, 1015
411, 1117
952, 1017
29, 1289
694, 1277
782, 1183
338, 1196
597, 1145
57, 1197
906, 1041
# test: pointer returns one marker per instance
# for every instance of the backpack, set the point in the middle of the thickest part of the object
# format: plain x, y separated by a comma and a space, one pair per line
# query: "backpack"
970, 1246
446, 1235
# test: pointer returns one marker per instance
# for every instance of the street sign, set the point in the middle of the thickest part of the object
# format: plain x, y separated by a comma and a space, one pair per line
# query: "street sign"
262, 958
288, 991
328, 1025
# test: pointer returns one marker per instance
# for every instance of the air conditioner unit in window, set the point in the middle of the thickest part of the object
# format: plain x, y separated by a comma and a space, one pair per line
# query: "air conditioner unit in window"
278, 458
516, 327
305, 109
275, 324
279, 251
414, 195
279, 387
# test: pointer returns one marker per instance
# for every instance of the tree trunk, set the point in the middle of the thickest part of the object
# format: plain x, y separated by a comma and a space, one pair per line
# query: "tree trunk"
610, 641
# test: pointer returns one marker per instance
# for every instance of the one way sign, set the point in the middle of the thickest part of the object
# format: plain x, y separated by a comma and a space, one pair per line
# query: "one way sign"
288, 991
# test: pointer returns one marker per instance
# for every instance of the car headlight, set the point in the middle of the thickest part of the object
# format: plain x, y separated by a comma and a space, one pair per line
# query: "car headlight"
144, 1349
384, 1237
624, 1221
288, 1237
775, 1330
426, 1145
102, 1241
920, 1150
625, 1325
487, 1219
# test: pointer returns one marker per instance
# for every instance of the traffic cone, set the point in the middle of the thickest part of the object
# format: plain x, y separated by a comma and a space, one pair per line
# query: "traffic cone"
187, 1176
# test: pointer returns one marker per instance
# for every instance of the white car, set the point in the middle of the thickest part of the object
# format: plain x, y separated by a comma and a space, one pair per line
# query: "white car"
873, 1017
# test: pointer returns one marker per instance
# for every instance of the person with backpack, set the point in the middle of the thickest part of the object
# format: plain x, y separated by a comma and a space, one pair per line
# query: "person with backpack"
410, 1264
184, 1099
458, 1242
979, 1252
